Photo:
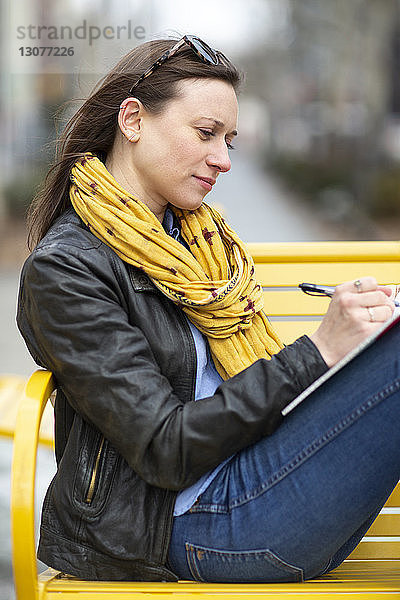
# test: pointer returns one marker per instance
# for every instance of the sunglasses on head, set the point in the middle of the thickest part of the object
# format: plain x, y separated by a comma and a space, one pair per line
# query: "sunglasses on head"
203, 51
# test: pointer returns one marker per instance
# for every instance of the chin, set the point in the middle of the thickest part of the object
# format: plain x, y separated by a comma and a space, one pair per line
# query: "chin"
185, 205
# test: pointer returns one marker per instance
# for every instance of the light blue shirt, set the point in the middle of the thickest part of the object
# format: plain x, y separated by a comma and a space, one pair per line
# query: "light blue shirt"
207, 381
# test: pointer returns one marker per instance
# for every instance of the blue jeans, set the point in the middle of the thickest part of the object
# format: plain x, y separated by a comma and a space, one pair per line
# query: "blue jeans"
295, 504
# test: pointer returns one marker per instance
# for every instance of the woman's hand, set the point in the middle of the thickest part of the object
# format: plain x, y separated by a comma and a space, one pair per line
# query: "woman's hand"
357, 309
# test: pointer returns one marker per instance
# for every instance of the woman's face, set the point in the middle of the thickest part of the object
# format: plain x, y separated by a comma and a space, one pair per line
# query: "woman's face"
179, 153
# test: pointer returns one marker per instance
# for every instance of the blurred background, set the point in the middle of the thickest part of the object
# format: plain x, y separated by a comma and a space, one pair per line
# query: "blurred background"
318, 151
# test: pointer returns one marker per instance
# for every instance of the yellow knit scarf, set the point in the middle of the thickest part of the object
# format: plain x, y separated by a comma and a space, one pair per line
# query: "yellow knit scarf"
214, 283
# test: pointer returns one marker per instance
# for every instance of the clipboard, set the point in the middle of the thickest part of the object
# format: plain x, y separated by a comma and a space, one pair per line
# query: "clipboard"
342, 363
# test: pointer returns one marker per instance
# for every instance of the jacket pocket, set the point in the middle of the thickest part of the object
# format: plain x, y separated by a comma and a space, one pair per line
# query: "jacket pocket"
247, 566
94, 474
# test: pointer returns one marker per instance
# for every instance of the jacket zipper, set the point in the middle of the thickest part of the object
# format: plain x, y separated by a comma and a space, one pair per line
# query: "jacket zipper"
93, 479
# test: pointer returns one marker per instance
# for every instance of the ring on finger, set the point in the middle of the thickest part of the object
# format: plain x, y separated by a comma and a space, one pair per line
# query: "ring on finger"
371, 314
357, 285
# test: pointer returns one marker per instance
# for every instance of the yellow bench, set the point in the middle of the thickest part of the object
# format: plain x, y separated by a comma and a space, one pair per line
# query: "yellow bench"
373, 569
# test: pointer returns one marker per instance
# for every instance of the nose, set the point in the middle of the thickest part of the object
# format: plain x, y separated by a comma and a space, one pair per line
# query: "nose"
219, 158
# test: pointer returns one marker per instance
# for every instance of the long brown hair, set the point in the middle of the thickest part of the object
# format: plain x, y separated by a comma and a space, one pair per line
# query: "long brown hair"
93, 127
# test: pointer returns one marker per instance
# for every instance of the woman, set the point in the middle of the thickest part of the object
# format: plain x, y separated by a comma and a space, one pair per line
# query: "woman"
141, 299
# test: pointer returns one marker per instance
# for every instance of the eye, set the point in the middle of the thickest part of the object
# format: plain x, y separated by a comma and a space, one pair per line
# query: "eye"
209, 134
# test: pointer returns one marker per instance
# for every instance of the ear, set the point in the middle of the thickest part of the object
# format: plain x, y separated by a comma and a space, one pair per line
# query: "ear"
130, 118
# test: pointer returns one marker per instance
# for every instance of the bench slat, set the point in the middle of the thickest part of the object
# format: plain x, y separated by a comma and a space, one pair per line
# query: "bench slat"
356, 579
394, 498
292, 274
289, 331
385, 525
369, 548
289, 303
325, 251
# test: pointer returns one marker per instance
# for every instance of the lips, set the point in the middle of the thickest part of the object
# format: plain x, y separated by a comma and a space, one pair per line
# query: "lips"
205, 182
207, 179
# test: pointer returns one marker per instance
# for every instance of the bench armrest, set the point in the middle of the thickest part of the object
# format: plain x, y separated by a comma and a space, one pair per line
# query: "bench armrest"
37, 391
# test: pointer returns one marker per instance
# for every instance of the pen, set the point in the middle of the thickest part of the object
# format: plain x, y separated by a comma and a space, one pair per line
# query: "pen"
318, 290
323, 290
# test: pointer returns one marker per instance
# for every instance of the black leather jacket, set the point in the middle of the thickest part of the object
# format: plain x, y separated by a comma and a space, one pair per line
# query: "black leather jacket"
128, 436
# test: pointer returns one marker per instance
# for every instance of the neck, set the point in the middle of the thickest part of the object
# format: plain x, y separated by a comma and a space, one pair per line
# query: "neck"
124, 173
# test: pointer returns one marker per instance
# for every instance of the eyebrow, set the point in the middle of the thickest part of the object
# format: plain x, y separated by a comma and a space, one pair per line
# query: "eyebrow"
219, 124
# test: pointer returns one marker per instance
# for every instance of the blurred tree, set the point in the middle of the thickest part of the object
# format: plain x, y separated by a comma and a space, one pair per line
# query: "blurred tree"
331, 87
